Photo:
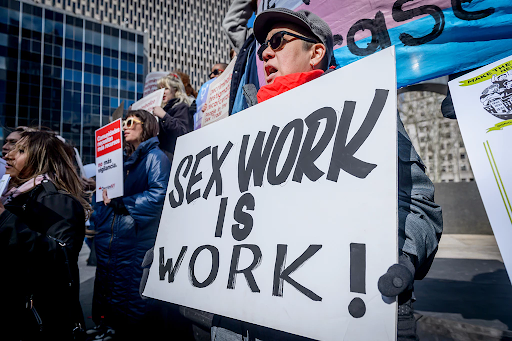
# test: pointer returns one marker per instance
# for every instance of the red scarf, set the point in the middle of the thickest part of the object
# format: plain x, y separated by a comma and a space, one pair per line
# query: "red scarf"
284, 83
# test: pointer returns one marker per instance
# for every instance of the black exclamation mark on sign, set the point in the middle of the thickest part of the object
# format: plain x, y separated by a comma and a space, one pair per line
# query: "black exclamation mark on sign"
357, 308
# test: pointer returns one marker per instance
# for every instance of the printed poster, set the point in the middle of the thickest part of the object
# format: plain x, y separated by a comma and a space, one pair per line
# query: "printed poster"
151, 83
109, 160
217, 103
150, 101
483, 104
284, 238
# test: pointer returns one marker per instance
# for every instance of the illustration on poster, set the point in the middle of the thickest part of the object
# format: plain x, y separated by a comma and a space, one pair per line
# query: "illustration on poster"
497, 98
379, 31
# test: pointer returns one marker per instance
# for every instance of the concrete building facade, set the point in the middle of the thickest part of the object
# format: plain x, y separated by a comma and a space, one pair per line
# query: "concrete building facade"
437, 139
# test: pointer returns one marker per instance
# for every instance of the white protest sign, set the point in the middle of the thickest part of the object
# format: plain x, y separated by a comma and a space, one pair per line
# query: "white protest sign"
3, 163
151, 83
217, 103
109, 160
4, 181
483, 104
150, 101
285, 215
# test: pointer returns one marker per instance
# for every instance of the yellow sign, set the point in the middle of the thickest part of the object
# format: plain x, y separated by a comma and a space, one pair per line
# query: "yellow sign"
500, 126
498, 70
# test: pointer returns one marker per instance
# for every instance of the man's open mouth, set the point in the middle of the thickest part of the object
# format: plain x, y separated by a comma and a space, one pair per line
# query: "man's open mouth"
270, 70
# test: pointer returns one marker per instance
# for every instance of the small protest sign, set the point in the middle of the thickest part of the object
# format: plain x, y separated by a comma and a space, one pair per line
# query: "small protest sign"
151, 83
4, 181
217, 103
150, 101
109, 160
201, 99
2, 166
483, 103
285, 215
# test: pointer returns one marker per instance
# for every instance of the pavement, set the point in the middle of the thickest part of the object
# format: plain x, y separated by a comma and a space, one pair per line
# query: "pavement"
466, 296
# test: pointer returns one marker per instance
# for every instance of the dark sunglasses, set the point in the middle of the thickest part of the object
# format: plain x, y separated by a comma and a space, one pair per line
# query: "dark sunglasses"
277, 41
215, 72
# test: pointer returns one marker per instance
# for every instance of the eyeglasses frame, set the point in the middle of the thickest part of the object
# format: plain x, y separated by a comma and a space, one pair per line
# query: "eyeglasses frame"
264, 46
133, 119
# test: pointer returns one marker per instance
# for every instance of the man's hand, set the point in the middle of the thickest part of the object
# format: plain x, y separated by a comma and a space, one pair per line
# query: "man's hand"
2, 208
106, 200
159, 112
398, 278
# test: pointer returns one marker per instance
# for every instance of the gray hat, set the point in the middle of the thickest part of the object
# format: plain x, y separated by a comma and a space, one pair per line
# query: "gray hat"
310, 21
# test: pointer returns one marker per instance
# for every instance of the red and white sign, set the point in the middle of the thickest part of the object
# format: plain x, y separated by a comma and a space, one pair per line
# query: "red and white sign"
109, 160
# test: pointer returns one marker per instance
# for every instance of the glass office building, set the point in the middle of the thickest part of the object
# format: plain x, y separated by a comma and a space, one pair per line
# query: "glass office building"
65, 72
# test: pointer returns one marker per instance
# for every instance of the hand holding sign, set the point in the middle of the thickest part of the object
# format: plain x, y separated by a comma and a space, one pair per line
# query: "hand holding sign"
106, 200
159, 112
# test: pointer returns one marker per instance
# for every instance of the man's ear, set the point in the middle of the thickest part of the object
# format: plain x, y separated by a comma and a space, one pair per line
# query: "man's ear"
318, 53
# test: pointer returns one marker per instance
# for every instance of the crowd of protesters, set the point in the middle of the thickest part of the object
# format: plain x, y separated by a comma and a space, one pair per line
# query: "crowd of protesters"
44, 210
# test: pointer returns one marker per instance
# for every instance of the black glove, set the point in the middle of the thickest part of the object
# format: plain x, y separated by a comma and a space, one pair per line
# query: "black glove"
399, 278
118, 205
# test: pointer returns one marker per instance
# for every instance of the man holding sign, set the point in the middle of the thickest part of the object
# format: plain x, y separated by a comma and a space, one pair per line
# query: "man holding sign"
297, 47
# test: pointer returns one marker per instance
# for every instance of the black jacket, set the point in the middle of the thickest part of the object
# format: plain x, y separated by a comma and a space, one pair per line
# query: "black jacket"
34, 229
174, 124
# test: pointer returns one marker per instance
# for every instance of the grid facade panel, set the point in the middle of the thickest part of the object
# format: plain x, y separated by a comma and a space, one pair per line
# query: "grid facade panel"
184, 35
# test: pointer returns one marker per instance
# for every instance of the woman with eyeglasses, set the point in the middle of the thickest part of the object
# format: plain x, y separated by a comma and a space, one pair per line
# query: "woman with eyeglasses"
126, 228
174, 118
42, 228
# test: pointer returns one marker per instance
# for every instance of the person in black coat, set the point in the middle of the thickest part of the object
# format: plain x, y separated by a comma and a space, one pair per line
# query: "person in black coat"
174, 119
42, 228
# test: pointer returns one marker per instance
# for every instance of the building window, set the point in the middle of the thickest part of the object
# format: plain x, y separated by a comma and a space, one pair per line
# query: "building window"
463, 168
462, 156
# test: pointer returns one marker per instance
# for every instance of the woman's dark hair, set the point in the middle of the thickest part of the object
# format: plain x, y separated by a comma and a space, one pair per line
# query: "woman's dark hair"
149, 127
47, 154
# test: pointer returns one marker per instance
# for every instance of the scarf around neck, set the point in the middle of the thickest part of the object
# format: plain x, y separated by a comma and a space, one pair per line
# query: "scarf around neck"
23, 188
284, 83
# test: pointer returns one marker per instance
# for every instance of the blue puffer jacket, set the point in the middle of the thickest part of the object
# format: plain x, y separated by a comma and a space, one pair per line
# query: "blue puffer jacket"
123, 239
